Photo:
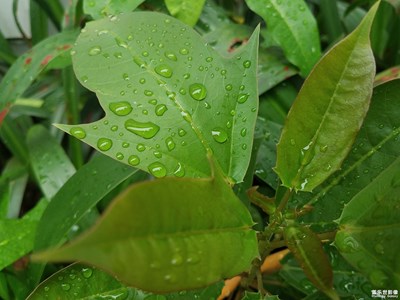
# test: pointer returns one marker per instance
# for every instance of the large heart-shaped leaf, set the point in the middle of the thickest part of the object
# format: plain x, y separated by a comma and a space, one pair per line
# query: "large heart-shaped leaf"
167, 102
328, 112
173, 234
370, 229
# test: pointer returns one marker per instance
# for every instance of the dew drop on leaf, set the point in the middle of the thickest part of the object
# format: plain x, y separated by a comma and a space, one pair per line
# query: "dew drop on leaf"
95, 50
181, 132
104, 144
163, 70
242, 98
84, 78
125, 76
78, 132
160, 109
184, 51
243, 132
157, 169
133, 160
197, 91
122, 108
219, 135
148, 93
65, 287
228, 87
87, 272
171, 56
169, 142
323, 148
119, 156
140, 147
378, 278
121, 43
157, 154
247, 64
145, 130
179, 171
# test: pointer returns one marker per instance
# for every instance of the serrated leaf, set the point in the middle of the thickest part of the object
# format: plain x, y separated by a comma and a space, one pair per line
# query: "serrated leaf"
370, 229
293, 27
328, 112
172, 233
29, 65
188, 11
375, 149
167, 101
307, 249
98, 9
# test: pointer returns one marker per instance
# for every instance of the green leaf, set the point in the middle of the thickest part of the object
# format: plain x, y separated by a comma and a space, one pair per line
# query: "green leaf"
307, 249
328, 112
17, 235
50, 164
74, 199
80, 282
29, 65
293, 27
167, 101
98, 9
188, 11
173, 232
370, 229
258, 296
374, 150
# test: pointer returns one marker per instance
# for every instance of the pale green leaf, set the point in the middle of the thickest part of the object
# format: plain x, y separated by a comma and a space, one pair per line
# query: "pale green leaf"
167, 102
188, 11
370, 229
98, 9
328, 112
293, 27
173, 232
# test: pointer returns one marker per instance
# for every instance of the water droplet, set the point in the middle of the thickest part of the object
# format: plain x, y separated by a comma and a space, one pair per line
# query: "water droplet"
120, 42
181, 132
184, 51
125, 145
138, 61
179, 171
163, 70
186, 76
145, 130
140, 147
219, 135
243, 132
65, 286
247, 64
104, 144
142, 81
160, 109
119, 156
292, 142
381, 126
87, 272
209, 59
244, 146
46, 288
78, 132
228, 87
379, 249
182, 91
197, 91
378, 278
169, 142
229, 124
95, 50
122, 108
170, 278
125, 76
176, 260
133, 160
118, 55
171, 56
153, 101
145, 53
323, 148
148, 93
346, 243
84, 78
157, 169
242, 98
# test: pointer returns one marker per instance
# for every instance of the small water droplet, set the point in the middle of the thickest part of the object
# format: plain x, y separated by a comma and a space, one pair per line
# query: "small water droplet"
184, 51
247, 64
186, 76
119, 156
179, 171
157, 169
145, 53
78, 132
104, 144
176, 260
197, 91
243, 132
142, 81
87, 272
133, 160
125, 76
160, 109
95, 50
169, 142
242, 98
46, 288
140, 147
228, 87
244, 146
378, 278
145, 130
209, 59
219, 135
65, 286
153, 101
121, 43
181, 132
122, 108
171, 56
148, 93
379, 249
163, 70
84, 78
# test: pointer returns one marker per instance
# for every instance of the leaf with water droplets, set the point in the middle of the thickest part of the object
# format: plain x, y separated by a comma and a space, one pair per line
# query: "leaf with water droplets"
370, 229
328, 112
188, 11
167, 92
294, 28
173, 234
101, 8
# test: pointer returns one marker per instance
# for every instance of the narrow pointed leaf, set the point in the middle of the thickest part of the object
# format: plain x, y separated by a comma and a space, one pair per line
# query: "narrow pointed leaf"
370, 229
328, 112
173, 232
167, 102
307, 249
293, 27
188, 11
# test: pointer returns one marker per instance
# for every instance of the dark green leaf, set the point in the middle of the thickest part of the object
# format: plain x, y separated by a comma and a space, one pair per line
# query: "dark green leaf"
167, 102
293, 27
370, 229
172, 240
258, 296
328, 112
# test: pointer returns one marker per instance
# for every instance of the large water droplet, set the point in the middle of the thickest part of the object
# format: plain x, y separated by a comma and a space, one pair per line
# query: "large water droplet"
145, 130
163, 70
242, 98
169, 142
160, 109
197, 91
95, 50
122, 108
157, 169
104, 144
219, 135
78, 132
179, 171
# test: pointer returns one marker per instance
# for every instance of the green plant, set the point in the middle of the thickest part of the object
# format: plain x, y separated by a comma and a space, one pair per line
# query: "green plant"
241, 172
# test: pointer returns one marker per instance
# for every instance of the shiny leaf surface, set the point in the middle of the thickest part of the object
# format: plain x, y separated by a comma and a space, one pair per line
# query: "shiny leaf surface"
98, 9
188, 11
